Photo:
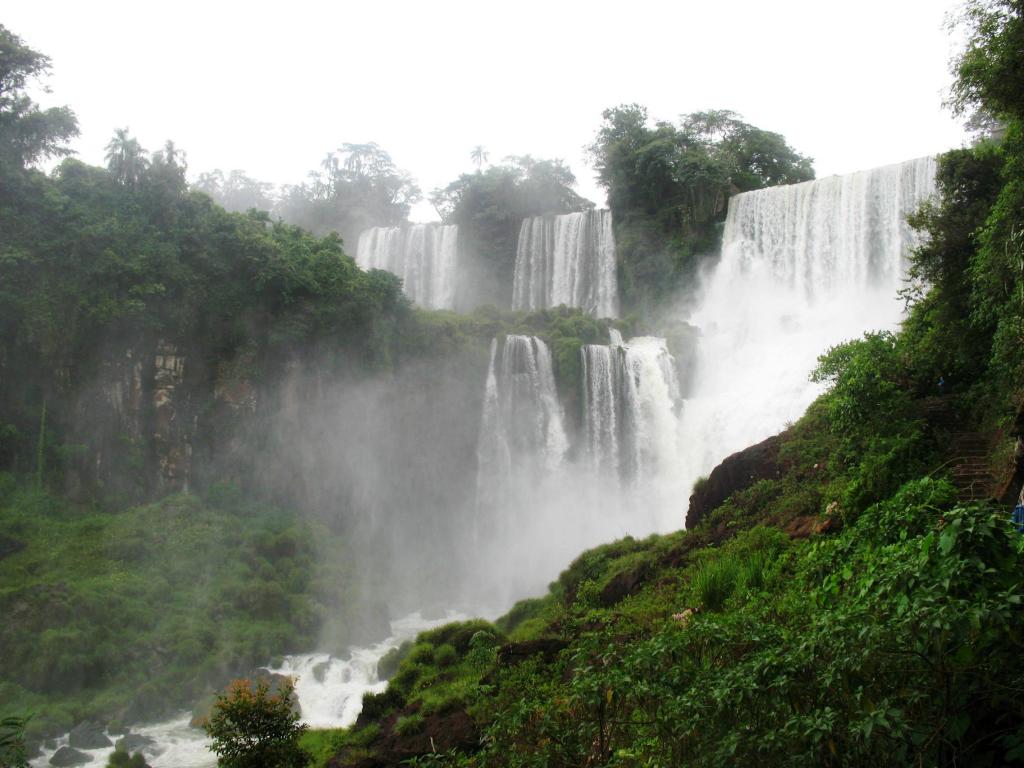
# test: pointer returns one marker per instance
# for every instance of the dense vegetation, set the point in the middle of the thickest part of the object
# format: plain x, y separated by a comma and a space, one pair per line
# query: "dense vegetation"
133, 614
855, 607
851, 609
668, 189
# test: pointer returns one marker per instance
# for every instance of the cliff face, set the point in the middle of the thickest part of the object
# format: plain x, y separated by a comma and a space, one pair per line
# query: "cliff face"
134, 427
736, 473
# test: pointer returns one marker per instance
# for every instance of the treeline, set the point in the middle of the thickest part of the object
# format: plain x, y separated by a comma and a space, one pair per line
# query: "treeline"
668, 186
855, 606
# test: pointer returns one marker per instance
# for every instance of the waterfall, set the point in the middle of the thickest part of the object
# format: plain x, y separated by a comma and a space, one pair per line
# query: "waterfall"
423, 255
522, 425
630, 407
803, 267
567, 260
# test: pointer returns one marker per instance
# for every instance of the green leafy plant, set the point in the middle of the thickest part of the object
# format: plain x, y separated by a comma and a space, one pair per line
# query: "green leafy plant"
250, 727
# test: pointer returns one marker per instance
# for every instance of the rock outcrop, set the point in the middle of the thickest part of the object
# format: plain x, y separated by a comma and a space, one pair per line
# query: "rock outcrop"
736, 473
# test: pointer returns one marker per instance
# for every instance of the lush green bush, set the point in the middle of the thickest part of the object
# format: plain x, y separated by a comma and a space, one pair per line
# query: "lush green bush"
250, 727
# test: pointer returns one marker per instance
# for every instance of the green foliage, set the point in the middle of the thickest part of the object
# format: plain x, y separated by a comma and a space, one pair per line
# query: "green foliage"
147, 607
12, 743
27, 133
252, 728
668, 186
409, 724
357, 187
490, 206
388, 664
120, 759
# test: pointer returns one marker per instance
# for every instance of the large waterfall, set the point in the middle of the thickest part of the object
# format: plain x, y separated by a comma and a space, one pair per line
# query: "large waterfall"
567, 260
425, 256
803, 267
630, 407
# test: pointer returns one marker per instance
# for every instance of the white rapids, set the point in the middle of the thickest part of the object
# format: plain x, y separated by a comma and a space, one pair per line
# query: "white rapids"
329, 690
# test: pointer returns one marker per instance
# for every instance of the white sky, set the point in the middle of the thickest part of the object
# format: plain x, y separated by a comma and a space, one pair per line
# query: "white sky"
270, 88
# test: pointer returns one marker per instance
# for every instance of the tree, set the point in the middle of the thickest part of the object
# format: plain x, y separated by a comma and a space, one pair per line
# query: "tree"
479, 156
989, 73
254, 728
126, 158
28, 133
669, 184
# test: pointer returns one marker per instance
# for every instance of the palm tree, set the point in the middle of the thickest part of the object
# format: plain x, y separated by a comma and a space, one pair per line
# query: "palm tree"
172, 155
479, 156
126, 158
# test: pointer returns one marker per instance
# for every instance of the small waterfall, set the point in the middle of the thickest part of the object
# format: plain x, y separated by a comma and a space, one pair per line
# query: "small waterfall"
522, 421
423, 255
803, 267
567, 260
630, 407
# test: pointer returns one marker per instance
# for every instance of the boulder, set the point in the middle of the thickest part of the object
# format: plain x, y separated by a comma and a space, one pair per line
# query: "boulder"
89, 736
736, 473
69, 756
133, 742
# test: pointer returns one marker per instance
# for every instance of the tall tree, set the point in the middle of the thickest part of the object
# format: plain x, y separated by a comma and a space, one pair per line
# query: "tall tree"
126, 158
479, 156
28, 133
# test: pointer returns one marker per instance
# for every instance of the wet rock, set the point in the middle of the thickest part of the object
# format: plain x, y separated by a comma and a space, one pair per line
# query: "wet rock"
626, 582
133, 742
89, 736
116, 728
320, 670
736, 473
69, 756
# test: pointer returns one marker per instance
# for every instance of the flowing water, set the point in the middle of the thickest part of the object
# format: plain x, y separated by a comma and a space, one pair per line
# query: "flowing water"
567, 260
425, 256
803, 267
631, 404
329, 689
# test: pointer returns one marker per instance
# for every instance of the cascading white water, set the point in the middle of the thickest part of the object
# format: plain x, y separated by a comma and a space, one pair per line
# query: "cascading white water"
567, 260
425, 256
803, 267
630, 407
522, 420
329, 690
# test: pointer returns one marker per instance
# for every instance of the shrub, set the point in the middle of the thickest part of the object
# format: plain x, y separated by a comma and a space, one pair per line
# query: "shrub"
714, 582
123, 760
388, 664
378, 705
252, 728
12, 742
446, 655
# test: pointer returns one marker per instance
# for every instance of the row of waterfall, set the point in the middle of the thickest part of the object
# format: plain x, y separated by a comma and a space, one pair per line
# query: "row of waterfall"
803, 267
567, 260
425, 256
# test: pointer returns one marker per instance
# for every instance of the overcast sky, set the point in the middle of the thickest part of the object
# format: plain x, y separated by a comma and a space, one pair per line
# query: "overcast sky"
270, 88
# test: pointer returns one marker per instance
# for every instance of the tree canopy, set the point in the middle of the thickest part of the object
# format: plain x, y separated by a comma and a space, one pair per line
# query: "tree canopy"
668, 185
